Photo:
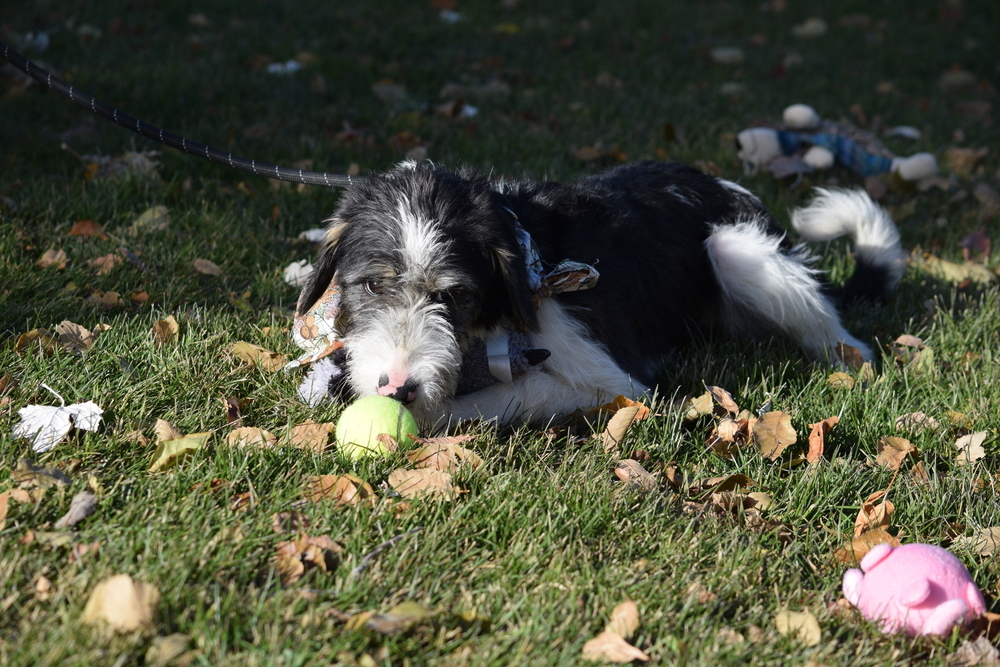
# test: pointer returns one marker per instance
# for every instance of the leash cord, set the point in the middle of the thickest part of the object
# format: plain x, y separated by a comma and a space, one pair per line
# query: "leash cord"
169, 139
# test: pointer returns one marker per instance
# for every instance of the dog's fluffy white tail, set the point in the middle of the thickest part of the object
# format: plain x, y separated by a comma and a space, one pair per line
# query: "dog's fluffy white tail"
878, 252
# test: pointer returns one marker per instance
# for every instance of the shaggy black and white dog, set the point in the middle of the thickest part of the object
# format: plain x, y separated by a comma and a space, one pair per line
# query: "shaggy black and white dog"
429, 260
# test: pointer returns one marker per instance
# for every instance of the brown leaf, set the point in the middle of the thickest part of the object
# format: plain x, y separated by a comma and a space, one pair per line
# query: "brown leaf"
621, 402
53, 258
4, 502
165, 331
872, 516
964, 160
617, 427
851, 356
250, 436
207, 267
704, 488
87, 228
255, 355
29, 475
105, 263
73, 337
83, 505
817, 437
892, 451
862, 544
632, 473
423, 483
611, 647
122, 603
105, 300
292, 559
443, 456
311, 435
724, 399
773, 434
343, 489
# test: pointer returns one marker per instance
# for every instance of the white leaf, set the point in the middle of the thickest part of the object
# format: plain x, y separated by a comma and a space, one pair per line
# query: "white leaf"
298, 272
46, 425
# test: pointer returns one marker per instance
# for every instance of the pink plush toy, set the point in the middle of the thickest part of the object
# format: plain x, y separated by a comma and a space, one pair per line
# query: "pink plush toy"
920, 589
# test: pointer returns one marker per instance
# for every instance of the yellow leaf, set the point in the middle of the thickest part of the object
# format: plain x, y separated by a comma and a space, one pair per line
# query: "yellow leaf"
164, 430
840, 380
166, 330
53, 258
624, 619
154, 219
697, 406
122, 603
170, 452
801, 624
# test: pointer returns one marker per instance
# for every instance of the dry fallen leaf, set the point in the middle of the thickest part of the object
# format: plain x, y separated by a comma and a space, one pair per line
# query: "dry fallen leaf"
892, 452
105, 264
612, 645
310, 435
207, 267
916, 422
105, 300
87, 228
443, 456
343, 489
633, 474
294, 558
165, 331
618, 425
4, 502
399, 619
292, 521
164, 430
970, 447
801, 624
773, 434
861, 545
28, 475
53, 258
37, 339
872, 516
724, 399
250, 436
697, 406
423, 483
622, 401
122, 603
255, 355
171, 452
984, 542
840, 380
817, 437
73, 337
83, 505
47, 425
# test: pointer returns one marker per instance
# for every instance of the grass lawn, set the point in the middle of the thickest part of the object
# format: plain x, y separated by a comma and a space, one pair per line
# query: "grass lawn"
526, 565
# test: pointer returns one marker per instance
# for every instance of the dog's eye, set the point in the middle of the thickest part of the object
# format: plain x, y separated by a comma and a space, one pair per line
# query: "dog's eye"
375, 287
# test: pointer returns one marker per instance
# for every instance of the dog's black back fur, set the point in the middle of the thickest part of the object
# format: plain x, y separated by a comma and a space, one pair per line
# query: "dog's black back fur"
594, 221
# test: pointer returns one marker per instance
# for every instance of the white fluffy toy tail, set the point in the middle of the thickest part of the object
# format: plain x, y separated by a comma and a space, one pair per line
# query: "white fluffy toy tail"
878, 251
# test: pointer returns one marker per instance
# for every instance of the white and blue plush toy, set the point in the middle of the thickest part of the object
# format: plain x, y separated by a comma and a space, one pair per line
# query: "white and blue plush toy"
820, 144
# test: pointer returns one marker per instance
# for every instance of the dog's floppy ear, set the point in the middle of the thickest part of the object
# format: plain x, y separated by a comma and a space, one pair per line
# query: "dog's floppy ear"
520, 298
324, 268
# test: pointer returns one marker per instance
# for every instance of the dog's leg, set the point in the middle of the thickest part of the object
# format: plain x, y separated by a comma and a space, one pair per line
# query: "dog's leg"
579, 373
776, 288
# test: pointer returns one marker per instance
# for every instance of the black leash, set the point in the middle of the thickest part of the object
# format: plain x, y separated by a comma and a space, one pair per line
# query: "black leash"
169, 139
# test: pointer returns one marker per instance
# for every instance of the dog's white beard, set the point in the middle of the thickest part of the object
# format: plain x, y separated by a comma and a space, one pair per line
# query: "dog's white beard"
414, 339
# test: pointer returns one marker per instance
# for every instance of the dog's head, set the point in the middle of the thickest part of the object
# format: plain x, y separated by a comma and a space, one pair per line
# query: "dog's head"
425, 259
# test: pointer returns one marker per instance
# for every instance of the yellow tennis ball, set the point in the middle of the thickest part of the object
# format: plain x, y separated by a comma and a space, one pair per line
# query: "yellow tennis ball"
362, 421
